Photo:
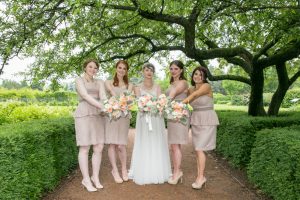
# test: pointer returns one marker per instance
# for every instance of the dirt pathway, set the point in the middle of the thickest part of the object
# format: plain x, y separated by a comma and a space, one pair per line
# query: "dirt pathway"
221, 183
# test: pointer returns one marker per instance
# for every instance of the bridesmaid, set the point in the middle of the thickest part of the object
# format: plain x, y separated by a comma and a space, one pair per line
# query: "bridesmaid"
204, 120
89, 124
177, 132
116, 131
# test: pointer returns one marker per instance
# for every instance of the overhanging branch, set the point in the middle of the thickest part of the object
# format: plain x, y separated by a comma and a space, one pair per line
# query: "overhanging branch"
286, 53
294, 78
230, 77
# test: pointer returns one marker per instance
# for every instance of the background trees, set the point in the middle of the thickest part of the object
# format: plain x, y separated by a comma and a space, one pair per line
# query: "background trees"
248, 37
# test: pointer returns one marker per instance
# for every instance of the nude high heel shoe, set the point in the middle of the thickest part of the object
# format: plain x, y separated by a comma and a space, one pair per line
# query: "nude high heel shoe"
125, 176
89, 187
98, 186
198, 185
117, 179
174, 181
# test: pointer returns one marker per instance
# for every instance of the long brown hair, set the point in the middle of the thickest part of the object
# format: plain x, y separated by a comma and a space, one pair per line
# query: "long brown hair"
179, 64
203, 72
125, 78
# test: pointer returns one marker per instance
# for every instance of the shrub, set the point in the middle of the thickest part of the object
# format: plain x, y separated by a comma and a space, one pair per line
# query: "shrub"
133, 119
275, 162
34, 156
31, 96
239, 100
26, 113
290, 95
17, 112
235, 137
237, 133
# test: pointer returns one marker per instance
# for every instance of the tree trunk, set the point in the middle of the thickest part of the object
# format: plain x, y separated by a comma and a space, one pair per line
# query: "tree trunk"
256, 107
283, 86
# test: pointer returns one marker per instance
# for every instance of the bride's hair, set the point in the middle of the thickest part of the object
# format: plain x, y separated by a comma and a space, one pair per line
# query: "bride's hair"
149, 66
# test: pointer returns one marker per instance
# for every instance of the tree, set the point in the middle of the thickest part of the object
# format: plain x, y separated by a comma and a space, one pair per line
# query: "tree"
11, 84
249, 35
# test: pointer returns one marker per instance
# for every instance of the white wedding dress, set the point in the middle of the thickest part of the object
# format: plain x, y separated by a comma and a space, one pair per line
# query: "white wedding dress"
150, 161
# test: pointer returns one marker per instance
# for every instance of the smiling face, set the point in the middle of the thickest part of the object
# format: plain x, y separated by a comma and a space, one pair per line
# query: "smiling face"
175, 71
91, 69
198, 77
148, 73
121, 70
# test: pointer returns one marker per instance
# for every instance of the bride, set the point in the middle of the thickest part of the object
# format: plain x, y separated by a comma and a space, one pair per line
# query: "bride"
150, 162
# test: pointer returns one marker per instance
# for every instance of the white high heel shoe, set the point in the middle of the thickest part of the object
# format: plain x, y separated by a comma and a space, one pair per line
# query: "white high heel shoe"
89, 187
98, 186
117, 179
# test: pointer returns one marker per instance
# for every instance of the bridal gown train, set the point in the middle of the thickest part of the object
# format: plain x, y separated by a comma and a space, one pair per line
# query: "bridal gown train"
150, 162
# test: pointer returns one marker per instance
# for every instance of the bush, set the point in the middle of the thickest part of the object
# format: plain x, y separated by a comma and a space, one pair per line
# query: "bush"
26, 113
6, 109
237, 133
290, 95
17, 112
34, 156
239, 100
235, 137
31, 96
133, 119
275, 162
221, 98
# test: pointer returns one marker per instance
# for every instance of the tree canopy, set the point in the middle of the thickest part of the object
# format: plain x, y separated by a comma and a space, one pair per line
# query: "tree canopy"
247, 35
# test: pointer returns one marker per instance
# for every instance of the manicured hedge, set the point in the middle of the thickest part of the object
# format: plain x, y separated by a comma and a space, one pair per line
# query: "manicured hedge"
34, 156
275, 162
30, 96
237, 133
13, 112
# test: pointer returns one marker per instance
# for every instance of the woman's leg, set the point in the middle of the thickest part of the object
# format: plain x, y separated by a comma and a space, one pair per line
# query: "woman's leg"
96, 163
83, 161
201, 157
113, 161
123, 158
176, 157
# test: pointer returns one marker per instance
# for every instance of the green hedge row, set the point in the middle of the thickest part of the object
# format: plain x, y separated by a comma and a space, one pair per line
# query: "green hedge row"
237, 133
231, 99
275, 162
17, 112
34, 156
31, 96
244, 99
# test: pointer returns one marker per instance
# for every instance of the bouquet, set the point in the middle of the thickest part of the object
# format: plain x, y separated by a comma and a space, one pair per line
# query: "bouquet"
112, 108
161, 103
177, 111
147, 104
119, 106
130, 99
